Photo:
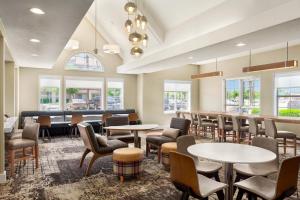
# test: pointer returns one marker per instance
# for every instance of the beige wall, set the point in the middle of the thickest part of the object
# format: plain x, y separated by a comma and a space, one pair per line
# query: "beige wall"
211, 90
10, 88
29, 77
2, 108
152, 93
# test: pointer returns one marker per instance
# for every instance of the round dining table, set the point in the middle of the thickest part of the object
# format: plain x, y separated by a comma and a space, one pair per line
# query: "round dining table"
230, 153
134, 128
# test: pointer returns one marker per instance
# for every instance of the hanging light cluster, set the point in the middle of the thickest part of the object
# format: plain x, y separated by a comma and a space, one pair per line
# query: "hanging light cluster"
135, 26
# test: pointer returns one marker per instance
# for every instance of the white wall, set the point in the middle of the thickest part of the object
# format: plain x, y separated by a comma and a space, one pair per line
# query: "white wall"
211, 90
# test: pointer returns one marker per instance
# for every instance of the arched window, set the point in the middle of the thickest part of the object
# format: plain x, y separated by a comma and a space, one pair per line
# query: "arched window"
84, 61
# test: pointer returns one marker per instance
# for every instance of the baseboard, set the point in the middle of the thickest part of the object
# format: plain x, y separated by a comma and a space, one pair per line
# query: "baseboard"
3, 177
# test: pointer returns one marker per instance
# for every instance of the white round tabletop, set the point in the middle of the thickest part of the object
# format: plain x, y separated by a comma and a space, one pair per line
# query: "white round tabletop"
232, 153
140, 127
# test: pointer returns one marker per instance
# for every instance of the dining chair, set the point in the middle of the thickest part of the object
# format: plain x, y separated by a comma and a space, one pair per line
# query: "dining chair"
208, 169
185, 178
194, 123
124, 136
28, 141
224, 129
271, 131
133, 118
76, 119
284, 186
157, 140
17, 133
240, 130
91, 144
244, 171
45, 125
254, 129
207, 126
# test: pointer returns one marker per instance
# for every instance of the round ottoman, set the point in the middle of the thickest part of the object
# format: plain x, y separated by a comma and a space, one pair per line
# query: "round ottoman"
166, 148
127, 162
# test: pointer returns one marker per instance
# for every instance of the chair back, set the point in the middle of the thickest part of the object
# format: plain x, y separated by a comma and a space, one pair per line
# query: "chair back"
194, 118
178, 114
271, 129
31, 131
117, 121
236, 123
76, 118
88, 136
182, 124
288, 176
44, 121
221, 122
183, 171
269, 144
27, 120
183, 142
133, 117
253, 126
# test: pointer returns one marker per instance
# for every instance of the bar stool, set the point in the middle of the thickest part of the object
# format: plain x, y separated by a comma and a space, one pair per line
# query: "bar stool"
45, 125
254, 129
240, 130
194, 123
76, 119
224, 129
207, 127
272, 131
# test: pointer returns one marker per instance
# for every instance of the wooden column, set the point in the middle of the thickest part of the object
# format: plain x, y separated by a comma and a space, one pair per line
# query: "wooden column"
2, 109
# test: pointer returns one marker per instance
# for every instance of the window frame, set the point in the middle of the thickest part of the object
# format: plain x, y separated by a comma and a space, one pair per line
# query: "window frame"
122, 94
83, 70
241, 91
57, 77
84, 78
189, 95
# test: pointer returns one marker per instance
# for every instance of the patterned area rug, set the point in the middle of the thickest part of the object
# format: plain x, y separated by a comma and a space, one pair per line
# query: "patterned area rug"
59, 177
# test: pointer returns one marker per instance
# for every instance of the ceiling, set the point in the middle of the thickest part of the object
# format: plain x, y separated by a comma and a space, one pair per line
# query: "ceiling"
53, 29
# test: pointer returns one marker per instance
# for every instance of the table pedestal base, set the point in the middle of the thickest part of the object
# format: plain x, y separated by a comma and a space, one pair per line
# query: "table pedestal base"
229, 181
136, 139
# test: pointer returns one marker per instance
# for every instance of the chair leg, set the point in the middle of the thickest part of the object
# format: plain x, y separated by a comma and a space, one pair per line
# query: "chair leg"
43, 134
24, 154
83, 156
12, 162
185, 196
238, 137
240, 194
159, 153
147, 149
220, 195
216, 176
95, 156
36, 155
295, 146
284, 145
48, 132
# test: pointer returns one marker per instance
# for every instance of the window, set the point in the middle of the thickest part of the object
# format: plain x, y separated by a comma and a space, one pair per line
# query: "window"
114, 96
288, 95
242, 95
177, 96
83, 93
49, 93
85, 62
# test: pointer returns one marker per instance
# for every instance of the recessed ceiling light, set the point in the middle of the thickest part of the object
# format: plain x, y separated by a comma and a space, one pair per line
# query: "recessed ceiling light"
190, 57
34, 40
34, 55
37, 11
240, 44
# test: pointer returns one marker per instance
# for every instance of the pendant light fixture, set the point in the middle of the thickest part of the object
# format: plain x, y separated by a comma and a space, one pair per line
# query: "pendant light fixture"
272, 66
209, 74
135, 26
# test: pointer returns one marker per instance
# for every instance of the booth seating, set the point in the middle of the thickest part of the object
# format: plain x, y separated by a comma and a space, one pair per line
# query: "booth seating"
127, 162
166, 148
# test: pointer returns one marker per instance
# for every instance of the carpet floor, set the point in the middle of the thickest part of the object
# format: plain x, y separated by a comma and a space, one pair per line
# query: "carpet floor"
59, 177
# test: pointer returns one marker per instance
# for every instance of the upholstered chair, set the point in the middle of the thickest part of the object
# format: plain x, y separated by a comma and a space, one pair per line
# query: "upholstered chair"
27, 143
194, 123
224, 129
254, 129
284, 186
240, 130
125, 136
208, 169
95, 144
185, 178
45, 125
156, 141
271, 131
76, 119
207, 126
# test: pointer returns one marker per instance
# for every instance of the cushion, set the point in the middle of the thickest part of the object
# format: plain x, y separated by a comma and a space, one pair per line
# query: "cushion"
102, 140
20, 143
171, 132
117, 132
159, 140
31, 131
112, 145
128, 154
